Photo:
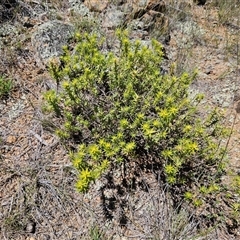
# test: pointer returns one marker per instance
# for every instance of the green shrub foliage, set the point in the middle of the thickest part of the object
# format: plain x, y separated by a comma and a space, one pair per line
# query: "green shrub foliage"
6, 86
118, 107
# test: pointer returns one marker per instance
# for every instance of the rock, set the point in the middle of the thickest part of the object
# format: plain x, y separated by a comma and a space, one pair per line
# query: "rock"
142, 6
79, 8
11, 139
96, 6
31, 227
209, 70
139, 34
189, 29
148, 15
49, 38
223, 95
161, 29
156, 5
74, 2
7, 10
7, 29
113, 18
153, 22
150, 18
30, 238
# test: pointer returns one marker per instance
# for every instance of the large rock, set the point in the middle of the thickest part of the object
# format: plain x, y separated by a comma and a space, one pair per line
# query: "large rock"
96, 5
140, 7
113, 18
146, 10
49, 38
148, 15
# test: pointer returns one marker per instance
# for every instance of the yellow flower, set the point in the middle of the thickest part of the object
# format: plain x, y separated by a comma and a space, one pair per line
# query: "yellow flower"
124, 123
68, 125
146, 126
129, 147
77, 162
159, 95
78, 36
81, 185
167, 153
65, 84
50, 96
203, 190
107, 146
197, 202
187, 128
170, 169
188, 195
193, 147
171, 179
85, 174
149, 132
94, 151
169, 100
120, 135
173, 110
157, 123
213, 188
164, 113
162, 135
104, 165
236, 207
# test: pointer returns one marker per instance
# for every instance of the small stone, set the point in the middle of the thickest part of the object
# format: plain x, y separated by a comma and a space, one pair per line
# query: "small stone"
11, 139
209, 70
30, 238
31, 227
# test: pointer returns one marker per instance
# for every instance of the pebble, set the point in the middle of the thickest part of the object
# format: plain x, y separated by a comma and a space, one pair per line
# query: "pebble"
11, 139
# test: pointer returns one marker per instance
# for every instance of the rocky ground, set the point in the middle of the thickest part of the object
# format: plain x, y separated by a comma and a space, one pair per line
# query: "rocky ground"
37, 195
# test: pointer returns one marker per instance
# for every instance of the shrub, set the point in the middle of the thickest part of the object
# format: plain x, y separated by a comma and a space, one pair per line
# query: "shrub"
5, 86
118, 107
